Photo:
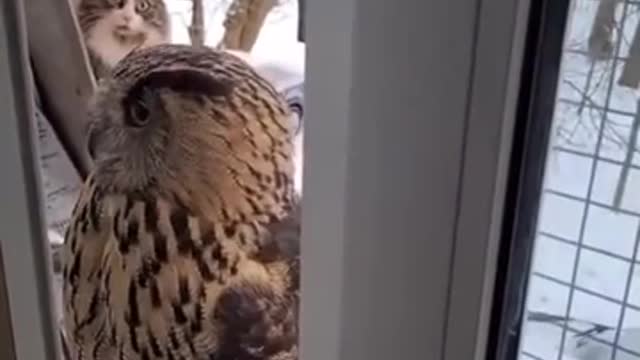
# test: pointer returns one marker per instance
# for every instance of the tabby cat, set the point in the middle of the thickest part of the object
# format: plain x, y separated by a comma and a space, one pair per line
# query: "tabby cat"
113, 28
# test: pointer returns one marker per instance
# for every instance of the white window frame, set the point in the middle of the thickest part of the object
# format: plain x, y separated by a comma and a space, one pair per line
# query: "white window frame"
24, 248
404, 186
406, 154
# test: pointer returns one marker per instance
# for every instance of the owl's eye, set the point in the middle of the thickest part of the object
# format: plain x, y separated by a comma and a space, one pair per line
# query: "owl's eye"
138, 115
142, 6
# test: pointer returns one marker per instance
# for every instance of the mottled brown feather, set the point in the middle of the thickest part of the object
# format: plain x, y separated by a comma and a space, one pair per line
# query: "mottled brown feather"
183, 244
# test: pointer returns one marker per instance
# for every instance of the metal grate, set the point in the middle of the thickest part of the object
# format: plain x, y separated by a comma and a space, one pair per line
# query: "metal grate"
584, 295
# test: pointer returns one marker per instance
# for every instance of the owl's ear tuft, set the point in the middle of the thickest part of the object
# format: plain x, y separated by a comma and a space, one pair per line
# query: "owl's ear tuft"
186, 81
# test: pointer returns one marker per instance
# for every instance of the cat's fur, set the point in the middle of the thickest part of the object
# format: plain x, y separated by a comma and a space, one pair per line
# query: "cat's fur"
113, 28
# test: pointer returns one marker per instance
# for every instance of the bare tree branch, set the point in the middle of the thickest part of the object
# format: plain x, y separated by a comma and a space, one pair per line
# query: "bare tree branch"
196, 29
258, 12
243, 23
630, 76
601, 37
234, 24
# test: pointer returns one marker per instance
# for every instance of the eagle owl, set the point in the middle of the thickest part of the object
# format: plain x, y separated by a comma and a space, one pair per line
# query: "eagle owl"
184, 241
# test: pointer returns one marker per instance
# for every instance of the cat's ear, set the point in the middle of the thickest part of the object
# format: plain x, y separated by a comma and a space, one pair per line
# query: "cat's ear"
186, 81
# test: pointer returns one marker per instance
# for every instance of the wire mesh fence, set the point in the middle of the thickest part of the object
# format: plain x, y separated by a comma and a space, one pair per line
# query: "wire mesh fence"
584, 295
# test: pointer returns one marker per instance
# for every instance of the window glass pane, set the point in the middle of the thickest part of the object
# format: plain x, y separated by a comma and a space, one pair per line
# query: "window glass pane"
583, 296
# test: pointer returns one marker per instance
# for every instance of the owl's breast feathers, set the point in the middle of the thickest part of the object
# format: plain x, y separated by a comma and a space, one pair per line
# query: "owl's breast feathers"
145, 278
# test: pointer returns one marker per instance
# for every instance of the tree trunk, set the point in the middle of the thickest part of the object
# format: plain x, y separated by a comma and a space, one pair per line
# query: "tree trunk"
196, 29
601, 38
243, 23
258, 11
630, 75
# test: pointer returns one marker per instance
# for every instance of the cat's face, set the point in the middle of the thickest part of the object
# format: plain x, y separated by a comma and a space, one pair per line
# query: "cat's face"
128, 17
112, 28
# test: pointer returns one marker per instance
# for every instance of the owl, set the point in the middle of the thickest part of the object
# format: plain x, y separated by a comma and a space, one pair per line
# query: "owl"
184, 241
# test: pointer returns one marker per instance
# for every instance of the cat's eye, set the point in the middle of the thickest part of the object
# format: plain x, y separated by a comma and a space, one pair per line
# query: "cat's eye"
138, 115
142, 6
117, 3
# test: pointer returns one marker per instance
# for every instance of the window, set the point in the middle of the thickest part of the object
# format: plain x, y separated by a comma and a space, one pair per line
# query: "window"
582, 299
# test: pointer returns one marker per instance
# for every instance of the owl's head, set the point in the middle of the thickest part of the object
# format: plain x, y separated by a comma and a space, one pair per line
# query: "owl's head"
189, 120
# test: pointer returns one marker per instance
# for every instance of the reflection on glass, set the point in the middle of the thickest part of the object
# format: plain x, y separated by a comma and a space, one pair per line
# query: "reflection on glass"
583, 299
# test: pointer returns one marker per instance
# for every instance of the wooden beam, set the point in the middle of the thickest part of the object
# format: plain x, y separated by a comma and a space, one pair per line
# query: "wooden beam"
62, 72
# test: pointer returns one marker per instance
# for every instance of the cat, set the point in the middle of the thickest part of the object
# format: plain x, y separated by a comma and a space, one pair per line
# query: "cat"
113, 28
